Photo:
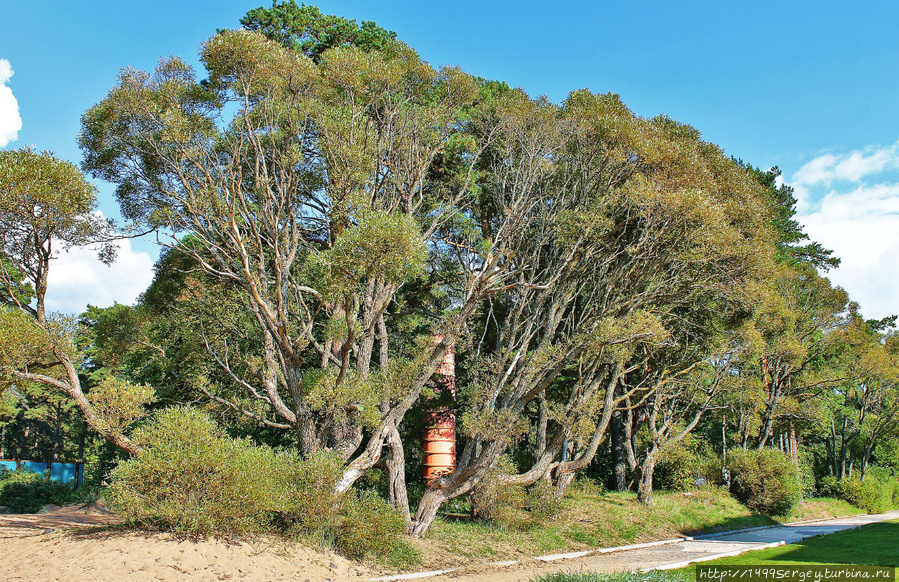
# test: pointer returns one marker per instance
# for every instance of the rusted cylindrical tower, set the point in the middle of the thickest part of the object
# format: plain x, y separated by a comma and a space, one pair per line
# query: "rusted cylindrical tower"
440, 422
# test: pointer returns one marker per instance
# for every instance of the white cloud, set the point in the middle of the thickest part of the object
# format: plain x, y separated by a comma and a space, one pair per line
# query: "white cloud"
10, 121
77, 278
850, 203
851, 167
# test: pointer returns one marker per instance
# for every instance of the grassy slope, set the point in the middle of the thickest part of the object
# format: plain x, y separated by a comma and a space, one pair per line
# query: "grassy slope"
591, 519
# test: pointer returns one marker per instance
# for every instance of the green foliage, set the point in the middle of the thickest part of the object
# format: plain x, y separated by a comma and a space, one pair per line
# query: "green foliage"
875, 493
765, 480
513, 506
368, 527
190, 477
119, 403
25, 491
307, 30
42, 197
382, 244
679, 469
497, 503
787, 230
24, 340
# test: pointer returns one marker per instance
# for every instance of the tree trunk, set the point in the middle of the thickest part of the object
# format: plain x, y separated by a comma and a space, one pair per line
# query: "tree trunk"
542, 420
843, 451
619, 453
794, 445
426, 512
644, 486
561, 483
396, 476
57, 433
866, 458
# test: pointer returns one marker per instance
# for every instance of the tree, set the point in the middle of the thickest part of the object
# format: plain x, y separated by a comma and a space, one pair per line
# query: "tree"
315, 204
44, 203
308, 31
788, 232
631, 220
792, 364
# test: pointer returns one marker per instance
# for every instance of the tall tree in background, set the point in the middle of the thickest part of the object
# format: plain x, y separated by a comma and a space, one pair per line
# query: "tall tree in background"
46, 205
308, 31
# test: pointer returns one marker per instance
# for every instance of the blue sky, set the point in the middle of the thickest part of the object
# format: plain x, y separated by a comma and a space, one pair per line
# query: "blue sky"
811, 87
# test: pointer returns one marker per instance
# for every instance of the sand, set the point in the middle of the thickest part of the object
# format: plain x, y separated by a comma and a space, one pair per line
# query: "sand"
74, 544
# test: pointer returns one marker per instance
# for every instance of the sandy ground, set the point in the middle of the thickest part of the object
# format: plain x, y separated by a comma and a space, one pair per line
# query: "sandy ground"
71, 544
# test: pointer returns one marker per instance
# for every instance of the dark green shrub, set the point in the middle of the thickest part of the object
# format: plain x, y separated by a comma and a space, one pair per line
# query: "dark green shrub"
25, 491
807, 474
502, 505
764, 480
369, 527
190, 477
829, 486
679, 470
874, 493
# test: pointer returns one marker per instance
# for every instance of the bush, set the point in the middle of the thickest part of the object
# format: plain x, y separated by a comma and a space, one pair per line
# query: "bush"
764, 480
190, 477
876, 493
873, 494
513, 506
498, 504
25, 491
542, 502
829, 486
370, 527
679, 470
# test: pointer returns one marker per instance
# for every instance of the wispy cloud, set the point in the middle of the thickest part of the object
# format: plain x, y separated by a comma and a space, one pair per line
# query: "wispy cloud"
10, 121
851, 167
850, 203
77, 278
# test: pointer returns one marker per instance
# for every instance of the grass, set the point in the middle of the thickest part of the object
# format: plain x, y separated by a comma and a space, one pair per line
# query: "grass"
871, 545
592, 519
876, 544
821, 508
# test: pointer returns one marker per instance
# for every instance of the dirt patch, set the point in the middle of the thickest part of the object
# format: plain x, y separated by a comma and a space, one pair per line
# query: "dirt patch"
72, 544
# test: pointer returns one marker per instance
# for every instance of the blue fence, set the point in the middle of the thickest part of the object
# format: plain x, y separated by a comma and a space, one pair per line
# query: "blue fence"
64, 472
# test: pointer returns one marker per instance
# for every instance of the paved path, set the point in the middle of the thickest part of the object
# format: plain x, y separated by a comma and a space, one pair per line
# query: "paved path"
665, 556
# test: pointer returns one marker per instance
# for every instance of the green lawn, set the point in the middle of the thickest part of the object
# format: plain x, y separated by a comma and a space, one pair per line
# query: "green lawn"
874, 545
